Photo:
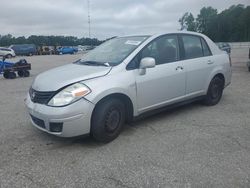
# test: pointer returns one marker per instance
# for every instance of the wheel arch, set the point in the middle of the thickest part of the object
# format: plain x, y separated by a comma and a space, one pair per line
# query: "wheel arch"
122, 97
218, 73
9, 55
221, 76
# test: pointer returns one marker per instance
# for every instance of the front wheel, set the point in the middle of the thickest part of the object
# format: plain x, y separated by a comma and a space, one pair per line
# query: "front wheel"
249, 68
214, 92
6, 75
26, 73
107, 120
20, 73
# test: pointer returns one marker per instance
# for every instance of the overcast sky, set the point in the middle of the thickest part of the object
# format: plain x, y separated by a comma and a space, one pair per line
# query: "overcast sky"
108, 17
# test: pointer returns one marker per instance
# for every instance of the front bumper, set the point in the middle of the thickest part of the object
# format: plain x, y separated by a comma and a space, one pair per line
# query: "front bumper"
75, 119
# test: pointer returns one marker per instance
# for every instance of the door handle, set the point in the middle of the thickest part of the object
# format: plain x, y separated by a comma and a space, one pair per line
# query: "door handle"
209, 62
179, 68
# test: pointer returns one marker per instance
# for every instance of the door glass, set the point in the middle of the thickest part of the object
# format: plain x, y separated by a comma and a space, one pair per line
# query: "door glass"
192, 47
206, 50
164, 50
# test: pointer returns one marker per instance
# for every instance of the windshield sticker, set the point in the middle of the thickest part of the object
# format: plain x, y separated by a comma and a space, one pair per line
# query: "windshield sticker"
133, 42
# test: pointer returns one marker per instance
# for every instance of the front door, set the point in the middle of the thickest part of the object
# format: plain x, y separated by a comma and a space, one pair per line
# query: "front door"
165, 83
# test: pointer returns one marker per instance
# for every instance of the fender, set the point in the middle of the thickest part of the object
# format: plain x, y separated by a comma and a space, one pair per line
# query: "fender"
216, 70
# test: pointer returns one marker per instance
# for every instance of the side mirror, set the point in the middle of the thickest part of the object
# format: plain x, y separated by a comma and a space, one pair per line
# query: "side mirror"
147, 62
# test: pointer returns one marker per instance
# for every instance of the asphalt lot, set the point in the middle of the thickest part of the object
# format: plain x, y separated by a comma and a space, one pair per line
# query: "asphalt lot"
192, 146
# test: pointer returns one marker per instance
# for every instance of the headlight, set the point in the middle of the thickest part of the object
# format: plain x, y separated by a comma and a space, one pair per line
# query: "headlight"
69, 95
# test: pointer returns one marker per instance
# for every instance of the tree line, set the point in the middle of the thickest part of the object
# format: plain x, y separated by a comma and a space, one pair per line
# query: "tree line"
7, 40
230, 25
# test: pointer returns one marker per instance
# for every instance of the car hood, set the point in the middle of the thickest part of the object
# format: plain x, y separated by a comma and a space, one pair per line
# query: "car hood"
59, 77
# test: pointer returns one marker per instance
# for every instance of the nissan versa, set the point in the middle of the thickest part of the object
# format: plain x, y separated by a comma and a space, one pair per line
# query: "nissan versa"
124, 78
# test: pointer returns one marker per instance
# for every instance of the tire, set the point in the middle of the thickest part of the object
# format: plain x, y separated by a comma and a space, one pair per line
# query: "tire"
6, 75
107, 120
20, 73
26, 73
215, 91
249, 68
8, 56
12, 75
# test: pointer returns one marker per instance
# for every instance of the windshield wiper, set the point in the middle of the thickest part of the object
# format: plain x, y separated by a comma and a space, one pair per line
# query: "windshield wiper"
93, 63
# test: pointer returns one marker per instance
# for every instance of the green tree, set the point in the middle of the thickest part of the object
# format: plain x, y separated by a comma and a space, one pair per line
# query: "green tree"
244, 21
230, 25
7, 40
206, 20
187, 21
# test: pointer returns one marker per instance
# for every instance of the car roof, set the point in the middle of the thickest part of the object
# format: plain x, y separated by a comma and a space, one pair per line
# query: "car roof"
165, 33
214, 49
178, 32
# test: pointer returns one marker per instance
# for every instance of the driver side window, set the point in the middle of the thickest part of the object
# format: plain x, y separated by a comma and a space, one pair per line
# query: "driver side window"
163, 49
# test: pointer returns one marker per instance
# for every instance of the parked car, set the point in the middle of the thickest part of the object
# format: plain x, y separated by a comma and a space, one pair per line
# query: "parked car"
225, 47
85, 48
124, 78
46, 50
24, 49
67, 50
7, 52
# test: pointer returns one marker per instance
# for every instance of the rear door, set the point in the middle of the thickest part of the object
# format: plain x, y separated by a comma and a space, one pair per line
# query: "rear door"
198, 63
166, 81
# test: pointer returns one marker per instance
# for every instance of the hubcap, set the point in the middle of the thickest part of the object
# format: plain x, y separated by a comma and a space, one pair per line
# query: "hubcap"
215, 91
112, 120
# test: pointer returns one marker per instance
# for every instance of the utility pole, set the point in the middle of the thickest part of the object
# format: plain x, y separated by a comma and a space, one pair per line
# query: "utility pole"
89, 17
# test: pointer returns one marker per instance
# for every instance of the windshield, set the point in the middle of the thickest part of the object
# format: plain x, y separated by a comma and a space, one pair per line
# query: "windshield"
112, 52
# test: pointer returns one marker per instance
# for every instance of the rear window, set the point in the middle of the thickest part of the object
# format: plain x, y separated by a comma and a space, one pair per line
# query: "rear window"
192, 46
206, 50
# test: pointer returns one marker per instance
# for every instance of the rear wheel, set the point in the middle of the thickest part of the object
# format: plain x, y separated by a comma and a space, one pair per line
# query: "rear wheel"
214, 92
107, 120
26, 73
249, 68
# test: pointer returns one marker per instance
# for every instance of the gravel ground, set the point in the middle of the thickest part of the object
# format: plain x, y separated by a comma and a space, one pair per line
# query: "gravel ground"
191, 146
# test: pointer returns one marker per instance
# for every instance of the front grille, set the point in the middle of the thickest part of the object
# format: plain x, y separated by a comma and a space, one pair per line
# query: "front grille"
38, 121
41, 97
